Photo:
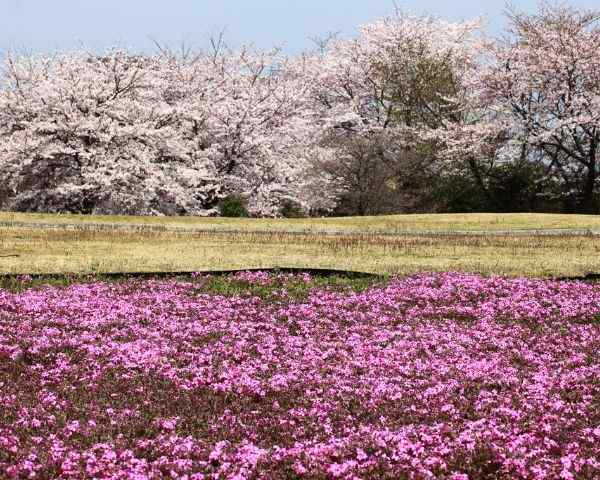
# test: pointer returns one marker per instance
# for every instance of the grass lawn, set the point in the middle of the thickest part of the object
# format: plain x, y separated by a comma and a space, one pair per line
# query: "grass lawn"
472, 222
358, 244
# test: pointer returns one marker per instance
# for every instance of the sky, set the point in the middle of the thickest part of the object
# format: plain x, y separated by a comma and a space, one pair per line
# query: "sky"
49, 25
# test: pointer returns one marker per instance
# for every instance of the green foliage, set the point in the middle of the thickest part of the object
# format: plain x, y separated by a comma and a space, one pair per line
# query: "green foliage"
421, 87
19, 283
458, 193
283, 288
513, 187
233, 207
507, 188
280, 287
291, 209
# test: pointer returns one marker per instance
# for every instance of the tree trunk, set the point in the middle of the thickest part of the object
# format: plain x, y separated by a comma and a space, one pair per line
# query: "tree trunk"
588, 203
480, 182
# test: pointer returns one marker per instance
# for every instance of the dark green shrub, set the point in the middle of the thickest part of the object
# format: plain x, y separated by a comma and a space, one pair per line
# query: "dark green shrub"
290, 209
507, 188
458, 194
233, 206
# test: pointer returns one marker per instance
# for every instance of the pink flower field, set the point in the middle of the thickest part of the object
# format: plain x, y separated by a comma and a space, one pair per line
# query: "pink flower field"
451, 376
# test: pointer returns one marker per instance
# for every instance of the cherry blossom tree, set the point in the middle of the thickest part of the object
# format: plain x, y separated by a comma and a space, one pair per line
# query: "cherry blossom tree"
160, 134
409, 99
89, 133
541, 87
256, 121
400, 80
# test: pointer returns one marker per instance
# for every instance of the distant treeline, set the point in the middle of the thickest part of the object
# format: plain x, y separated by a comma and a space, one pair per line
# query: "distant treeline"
414, 114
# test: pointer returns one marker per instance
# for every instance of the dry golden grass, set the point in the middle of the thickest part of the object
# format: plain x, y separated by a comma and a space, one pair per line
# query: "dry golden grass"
36, 250
388, 223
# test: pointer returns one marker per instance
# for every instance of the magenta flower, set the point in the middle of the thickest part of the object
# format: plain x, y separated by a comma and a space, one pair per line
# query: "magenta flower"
441, 375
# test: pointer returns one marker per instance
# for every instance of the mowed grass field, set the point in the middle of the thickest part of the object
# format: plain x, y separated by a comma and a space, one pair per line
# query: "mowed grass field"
507, 244
479, 222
